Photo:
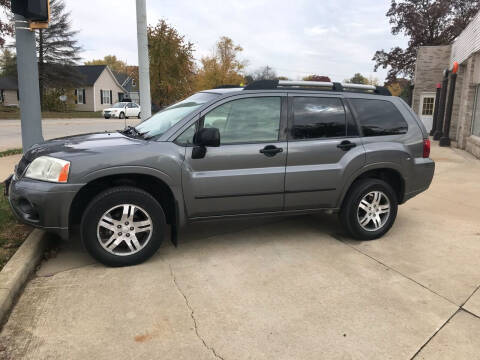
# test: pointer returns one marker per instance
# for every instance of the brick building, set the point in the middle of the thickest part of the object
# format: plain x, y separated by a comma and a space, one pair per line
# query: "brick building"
431, 62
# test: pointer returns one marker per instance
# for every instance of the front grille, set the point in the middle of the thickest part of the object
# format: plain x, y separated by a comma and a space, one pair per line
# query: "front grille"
107, 112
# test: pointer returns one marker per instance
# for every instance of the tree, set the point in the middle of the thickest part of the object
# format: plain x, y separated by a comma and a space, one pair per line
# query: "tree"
172, 66
57, 51
112, 62
8, 63
399, 87
357, 79
425, 22
6, 27
360, 79
222, 67
316, 78
264, 73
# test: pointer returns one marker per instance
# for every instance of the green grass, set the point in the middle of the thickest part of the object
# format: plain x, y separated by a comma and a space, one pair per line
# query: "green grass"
14, 113
10, 152
12, 233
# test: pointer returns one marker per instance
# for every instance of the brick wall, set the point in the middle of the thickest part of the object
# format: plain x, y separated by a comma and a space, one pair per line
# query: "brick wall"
431, 61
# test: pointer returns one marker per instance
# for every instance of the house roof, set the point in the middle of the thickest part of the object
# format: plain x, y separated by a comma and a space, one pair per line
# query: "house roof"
90, 73
121, 77
8, 83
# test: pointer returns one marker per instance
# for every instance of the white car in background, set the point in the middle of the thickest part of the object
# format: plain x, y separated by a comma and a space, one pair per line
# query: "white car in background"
122, 110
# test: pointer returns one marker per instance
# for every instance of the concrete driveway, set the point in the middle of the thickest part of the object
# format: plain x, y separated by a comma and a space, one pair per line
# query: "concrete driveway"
11, 134
292, 288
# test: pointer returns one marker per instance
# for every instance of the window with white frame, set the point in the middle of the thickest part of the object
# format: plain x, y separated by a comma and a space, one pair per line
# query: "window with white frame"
476, 114
80, 93
106, 98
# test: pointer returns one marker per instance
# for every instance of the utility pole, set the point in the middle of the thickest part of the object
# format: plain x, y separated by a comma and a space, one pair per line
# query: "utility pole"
143, 61
27, 68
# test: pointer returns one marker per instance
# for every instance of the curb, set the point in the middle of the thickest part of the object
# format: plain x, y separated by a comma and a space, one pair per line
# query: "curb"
19, 268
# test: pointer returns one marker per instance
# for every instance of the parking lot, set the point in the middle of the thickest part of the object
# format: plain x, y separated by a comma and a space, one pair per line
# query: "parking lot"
292, 288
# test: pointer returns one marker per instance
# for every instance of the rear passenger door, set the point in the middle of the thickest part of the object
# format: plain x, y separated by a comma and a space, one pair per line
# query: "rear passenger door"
324, 148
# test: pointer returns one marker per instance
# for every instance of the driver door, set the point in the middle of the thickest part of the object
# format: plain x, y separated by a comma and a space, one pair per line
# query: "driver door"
246, 173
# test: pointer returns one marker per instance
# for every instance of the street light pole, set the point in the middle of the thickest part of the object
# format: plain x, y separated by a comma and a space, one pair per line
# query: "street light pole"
143, 61
27, 68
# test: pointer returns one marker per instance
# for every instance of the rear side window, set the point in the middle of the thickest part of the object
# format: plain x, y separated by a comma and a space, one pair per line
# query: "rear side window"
379, 117
315, 118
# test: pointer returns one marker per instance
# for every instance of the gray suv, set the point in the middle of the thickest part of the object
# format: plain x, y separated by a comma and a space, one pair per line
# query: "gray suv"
272, 147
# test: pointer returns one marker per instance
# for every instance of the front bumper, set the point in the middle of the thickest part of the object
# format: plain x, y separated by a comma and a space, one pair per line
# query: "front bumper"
42, 204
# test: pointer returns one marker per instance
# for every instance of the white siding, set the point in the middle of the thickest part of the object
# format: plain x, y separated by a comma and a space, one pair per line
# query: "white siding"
468, 42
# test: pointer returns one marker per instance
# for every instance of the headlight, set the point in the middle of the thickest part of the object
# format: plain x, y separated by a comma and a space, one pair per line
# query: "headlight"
47, 168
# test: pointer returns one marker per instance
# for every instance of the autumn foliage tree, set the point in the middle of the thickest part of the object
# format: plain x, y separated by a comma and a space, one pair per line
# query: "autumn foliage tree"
222, 67
112, 62
172, 67
316, 78
424, 22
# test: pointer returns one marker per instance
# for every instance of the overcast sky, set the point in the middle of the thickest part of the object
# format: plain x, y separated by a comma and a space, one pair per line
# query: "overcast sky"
336, 38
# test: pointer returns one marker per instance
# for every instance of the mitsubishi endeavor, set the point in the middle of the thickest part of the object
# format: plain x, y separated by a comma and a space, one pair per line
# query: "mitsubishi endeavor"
272, 147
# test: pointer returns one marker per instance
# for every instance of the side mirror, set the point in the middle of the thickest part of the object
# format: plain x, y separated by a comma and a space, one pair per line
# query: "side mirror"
203, 138
207, 137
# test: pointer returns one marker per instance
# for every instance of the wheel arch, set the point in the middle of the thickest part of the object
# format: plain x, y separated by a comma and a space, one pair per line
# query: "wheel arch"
388, 172
169, 197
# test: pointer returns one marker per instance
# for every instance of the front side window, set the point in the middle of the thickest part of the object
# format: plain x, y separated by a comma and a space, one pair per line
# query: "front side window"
379, 117
316, 118
246, 120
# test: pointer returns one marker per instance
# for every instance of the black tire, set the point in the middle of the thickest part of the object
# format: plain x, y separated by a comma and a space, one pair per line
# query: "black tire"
349, 216
108, 200
139, 116
121, 115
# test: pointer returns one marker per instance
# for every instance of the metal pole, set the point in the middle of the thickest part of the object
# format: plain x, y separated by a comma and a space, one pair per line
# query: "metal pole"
441, 111
435, 109
445, 139
143, 61
27, 68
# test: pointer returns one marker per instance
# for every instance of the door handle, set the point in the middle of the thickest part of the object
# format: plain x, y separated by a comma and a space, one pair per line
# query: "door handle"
270, 150
346, 145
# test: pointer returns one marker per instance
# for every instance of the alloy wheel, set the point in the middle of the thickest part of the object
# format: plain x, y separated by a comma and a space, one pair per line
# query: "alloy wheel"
373, 211
124, 229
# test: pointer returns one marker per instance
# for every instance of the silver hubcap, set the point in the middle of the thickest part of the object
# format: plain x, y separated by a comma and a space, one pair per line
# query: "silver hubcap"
124, 229
373, 211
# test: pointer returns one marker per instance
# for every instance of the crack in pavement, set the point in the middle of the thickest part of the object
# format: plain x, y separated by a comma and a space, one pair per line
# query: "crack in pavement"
459, 308
339, 238
192, 315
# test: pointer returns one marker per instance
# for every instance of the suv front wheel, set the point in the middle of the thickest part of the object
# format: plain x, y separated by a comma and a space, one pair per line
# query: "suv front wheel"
369, 209
123, 226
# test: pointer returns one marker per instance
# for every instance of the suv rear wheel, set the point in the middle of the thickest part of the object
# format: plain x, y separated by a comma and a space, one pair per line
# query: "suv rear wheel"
123, 226
370, 209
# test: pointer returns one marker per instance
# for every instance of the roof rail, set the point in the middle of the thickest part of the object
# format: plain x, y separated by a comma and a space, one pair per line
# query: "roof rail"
321, 86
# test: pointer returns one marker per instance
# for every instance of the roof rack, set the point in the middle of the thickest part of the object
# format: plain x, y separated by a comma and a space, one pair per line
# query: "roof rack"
316, 85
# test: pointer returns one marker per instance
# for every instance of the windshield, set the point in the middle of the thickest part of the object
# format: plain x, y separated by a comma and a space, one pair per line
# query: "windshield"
165, 119
119, 105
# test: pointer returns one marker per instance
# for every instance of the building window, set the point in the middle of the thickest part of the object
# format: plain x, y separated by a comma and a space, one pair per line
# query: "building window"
427, 106
476, 114
106, 98
80, 93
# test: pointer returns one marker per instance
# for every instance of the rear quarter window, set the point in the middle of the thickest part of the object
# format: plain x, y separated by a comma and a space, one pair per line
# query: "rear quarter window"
379, 117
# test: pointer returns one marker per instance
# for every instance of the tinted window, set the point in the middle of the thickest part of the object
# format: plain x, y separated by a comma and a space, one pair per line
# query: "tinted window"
379, 117
315, 118
246, 120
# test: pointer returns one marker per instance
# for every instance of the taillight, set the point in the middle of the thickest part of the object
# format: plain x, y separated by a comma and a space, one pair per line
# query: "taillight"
426, 148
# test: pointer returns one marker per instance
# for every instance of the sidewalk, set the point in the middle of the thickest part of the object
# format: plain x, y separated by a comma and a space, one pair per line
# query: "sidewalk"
7, 165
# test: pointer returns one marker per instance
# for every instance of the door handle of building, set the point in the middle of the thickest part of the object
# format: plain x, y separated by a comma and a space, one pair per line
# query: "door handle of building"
346, 145
270, 150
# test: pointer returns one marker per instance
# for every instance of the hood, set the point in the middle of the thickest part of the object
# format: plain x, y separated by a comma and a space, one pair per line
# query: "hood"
72, 146
113, 109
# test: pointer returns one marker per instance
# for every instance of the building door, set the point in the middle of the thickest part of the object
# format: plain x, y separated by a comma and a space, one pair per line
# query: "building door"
427, 103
